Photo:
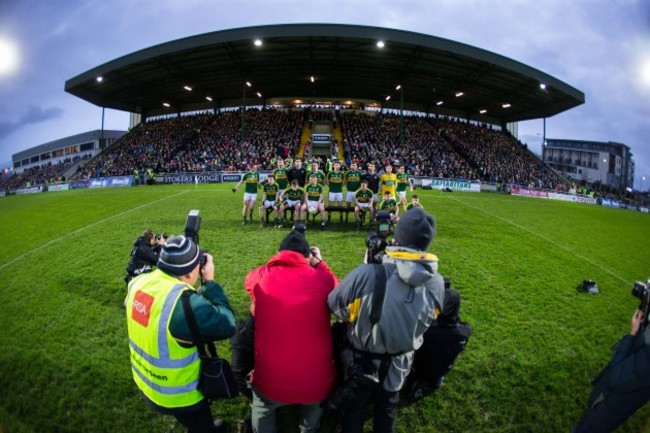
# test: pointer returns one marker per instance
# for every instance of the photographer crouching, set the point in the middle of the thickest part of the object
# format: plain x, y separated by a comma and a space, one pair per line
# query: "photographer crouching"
624, 385
144, 254
165, 360
386, 306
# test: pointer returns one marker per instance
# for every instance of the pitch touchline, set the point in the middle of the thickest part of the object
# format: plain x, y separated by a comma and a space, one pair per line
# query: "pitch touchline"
47, 244
545, 238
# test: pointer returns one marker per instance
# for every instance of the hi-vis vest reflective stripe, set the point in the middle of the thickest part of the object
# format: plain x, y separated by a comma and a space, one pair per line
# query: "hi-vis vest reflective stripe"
165, 372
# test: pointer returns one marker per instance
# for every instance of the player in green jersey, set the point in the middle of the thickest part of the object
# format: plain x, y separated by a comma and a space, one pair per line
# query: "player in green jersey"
269, 200
415, 202
352, 183
403, 182
389, 204
319, 174
335, 183
281, 175
363, 202
291, 198
313, 201
251, 179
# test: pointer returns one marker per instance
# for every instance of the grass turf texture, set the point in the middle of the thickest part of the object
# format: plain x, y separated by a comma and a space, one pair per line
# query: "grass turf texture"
537, 343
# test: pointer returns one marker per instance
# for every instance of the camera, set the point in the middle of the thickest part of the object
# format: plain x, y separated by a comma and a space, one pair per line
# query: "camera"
376, 242
641, 291
358, 378
382, 218
192, 227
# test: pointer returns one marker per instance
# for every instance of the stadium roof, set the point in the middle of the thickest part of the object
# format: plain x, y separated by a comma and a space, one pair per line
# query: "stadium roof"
436, 75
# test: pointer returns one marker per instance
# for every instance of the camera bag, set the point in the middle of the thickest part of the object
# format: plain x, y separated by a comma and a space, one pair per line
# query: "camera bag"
217, 380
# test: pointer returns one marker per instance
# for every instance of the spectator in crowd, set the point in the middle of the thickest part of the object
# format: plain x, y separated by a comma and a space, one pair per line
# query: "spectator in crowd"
293, 343
384, 335
164, 358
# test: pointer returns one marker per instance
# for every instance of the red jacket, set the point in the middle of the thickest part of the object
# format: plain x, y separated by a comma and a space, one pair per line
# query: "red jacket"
293, 341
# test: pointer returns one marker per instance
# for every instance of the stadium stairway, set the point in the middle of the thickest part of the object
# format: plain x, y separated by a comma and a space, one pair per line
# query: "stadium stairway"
337, 135
305, 135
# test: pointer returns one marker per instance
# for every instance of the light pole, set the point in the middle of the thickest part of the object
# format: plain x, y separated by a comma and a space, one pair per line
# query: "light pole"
243, 108
643, 184
401, 115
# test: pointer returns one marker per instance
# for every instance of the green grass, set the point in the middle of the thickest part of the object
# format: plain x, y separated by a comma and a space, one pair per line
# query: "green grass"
64, 364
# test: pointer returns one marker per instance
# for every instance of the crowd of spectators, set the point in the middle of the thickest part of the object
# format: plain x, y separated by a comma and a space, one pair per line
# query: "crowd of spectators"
369, 137
228, 141
498, 156
41, 174
204, 142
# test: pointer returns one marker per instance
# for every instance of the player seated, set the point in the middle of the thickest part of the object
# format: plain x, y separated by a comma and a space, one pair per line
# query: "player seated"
269, 196
291, 198
313, 200
389, 204
363, 202
415, 202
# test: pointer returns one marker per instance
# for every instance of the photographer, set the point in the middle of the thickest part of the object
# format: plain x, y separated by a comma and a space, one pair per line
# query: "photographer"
387, 308
144, 254
624, 385
293, 342
443, 342
164, 359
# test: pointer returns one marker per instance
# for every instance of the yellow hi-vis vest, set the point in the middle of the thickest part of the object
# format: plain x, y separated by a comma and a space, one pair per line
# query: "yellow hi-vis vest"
165, 372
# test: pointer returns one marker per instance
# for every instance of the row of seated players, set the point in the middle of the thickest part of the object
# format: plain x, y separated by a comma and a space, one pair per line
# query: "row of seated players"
303, 201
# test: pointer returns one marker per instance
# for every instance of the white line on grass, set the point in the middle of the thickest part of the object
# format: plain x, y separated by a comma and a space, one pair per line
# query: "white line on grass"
551, 241
60, 238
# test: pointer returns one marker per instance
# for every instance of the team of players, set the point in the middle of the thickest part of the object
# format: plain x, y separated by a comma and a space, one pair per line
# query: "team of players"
301, 192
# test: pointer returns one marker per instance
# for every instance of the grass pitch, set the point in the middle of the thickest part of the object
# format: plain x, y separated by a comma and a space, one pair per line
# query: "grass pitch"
516, 261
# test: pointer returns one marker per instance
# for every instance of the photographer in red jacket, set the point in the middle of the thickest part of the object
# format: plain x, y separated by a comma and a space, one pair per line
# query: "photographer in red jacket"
293, 341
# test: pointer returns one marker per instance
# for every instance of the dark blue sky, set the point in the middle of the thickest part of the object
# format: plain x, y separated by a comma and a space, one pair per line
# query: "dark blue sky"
601, 47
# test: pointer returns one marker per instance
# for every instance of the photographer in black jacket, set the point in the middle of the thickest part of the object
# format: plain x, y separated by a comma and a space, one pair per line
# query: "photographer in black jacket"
144, 254
623, 386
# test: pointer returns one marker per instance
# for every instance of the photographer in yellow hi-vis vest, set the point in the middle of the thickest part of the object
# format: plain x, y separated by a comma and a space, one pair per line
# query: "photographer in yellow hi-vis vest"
164, 360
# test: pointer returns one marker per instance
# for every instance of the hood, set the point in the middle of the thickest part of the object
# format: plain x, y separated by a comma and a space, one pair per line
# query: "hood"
140, 241
413, 267
288, 258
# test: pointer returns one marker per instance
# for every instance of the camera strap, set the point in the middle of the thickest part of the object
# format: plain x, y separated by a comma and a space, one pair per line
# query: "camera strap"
199, 342
378, 296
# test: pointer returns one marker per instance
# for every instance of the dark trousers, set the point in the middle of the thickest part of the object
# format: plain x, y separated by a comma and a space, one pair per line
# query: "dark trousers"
197, 421
384, 410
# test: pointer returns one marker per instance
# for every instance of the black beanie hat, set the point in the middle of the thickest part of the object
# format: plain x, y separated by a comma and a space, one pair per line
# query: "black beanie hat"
295, 241
415, 229
179, 256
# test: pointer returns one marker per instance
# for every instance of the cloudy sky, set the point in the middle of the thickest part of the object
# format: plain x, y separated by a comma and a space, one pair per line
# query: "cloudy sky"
601, 47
